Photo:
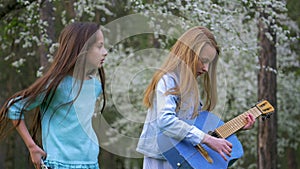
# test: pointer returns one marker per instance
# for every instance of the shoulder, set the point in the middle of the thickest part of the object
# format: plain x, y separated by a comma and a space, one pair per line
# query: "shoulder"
167, 81
97, 84
96, 80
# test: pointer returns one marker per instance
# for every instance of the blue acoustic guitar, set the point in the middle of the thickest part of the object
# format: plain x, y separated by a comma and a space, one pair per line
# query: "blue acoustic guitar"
181, 154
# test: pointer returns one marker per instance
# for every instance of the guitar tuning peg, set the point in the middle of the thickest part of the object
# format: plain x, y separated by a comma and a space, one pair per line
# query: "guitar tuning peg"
267, 116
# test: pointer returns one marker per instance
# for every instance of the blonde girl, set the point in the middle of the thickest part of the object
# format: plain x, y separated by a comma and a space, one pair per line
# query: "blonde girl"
173, 97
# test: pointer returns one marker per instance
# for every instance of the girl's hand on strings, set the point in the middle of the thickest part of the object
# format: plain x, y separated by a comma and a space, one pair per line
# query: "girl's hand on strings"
220, 145
250, 122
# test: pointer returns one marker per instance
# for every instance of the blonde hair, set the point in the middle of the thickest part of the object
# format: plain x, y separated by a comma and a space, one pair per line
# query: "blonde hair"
182, 61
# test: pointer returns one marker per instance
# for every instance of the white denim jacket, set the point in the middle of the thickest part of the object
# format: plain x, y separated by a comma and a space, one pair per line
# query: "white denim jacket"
161, 117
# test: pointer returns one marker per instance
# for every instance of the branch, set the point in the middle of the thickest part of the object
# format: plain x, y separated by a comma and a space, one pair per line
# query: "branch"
9, 6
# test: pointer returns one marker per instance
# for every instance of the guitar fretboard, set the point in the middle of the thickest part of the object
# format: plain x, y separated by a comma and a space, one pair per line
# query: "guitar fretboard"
236, 123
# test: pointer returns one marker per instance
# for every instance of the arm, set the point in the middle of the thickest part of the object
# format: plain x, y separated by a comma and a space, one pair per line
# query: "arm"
166, 115
14, 113
172, 126
36, 153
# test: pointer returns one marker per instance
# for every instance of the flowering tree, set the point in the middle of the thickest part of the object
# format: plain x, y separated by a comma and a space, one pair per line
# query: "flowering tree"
139, 43
28, 34
234, 24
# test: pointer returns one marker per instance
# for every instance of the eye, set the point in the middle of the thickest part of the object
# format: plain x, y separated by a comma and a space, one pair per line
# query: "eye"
204, 60
99, 45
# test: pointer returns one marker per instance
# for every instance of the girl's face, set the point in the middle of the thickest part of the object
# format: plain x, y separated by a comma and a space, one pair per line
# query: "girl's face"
207, 55
97, 53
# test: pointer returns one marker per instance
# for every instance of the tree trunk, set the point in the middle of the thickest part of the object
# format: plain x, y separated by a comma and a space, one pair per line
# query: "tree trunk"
69, 6
267, 144
10, 149
107, 159
291, 158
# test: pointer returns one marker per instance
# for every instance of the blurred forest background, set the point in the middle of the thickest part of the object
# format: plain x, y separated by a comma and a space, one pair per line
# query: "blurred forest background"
259, 60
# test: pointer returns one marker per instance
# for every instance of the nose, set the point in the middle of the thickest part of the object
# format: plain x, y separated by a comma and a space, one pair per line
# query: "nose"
105, 52
205, 67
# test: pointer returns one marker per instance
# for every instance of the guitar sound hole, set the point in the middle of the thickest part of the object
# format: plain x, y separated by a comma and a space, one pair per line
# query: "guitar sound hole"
212, 133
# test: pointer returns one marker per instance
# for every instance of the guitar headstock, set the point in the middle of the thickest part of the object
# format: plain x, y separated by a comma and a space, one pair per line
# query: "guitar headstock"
265, 107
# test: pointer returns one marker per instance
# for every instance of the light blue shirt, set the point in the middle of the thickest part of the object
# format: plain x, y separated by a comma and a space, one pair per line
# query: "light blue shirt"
67, 133
161, 117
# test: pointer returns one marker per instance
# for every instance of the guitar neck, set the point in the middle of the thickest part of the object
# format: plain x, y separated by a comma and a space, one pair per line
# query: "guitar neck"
236, 123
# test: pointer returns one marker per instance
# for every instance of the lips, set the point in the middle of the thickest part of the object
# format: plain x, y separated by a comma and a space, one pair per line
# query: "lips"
200, 73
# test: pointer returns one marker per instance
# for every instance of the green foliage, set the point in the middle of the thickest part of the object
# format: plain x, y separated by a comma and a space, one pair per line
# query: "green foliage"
293, 6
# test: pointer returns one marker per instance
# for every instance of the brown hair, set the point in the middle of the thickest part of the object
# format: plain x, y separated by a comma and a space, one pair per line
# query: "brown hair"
72, 39
182, 61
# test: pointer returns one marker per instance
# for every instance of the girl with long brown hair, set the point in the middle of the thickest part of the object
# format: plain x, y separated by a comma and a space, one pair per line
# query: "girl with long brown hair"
63, 100
172, 97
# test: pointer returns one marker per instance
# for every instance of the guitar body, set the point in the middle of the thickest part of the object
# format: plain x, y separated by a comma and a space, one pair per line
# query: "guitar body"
183, 155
